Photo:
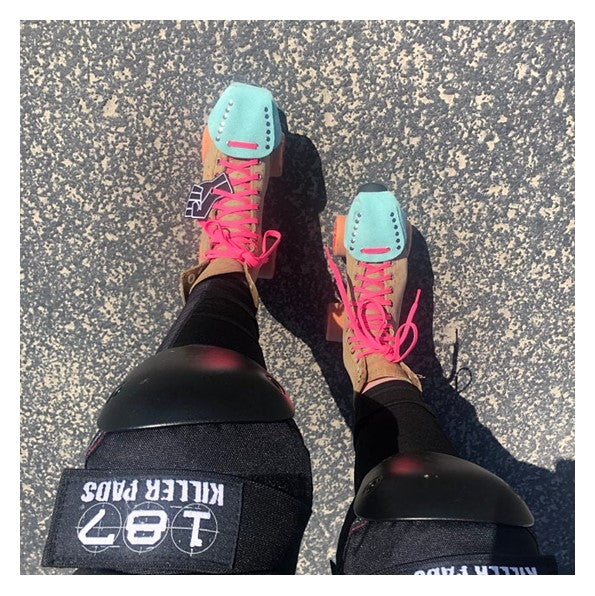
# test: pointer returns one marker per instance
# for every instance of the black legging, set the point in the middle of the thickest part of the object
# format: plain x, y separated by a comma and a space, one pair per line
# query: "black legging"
392, 418
389, 418
219, 312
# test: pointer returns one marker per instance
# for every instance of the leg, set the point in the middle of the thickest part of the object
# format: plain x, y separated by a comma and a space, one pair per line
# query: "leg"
198, 466
219, 312
419, 509
270, 455
392, 418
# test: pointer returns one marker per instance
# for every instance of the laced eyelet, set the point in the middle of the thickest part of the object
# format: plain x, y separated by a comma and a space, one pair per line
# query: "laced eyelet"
233, 238
370, 326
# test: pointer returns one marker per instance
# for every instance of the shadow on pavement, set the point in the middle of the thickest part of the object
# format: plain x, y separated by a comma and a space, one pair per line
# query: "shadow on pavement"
298, 296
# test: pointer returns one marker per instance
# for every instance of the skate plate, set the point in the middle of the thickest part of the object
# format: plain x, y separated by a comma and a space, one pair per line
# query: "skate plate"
267, 271
334, 322
276, 170
338, 235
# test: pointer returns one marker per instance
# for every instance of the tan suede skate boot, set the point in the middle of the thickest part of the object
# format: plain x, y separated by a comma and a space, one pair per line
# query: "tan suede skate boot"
242, 148
375, 239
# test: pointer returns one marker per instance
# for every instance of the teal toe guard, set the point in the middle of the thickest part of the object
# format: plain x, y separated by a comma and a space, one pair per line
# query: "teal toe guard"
245, 122
376, 228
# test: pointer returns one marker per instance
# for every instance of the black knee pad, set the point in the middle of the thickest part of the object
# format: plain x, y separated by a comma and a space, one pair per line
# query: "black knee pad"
435, 486
198, 468
432, 513
272, 453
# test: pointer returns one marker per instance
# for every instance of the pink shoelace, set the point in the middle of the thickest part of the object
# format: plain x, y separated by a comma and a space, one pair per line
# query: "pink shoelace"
233, 238
373, 332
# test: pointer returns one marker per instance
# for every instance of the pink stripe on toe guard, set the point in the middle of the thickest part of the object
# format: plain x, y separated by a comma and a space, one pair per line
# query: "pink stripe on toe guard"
375, 251
242, 145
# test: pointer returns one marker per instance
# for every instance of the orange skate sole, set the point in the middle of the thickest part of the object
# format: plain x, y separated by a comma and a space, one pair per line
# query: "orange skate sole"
335, 313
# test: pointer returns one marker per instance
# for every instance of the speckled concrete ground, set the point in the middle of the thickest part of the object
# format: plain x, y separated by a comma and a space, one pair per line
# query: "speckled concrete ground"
472, 124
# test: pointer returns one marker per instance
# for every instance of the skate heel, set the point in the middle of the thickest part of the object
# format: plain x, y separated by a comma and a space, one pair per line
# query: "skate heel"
338, 236
334, 322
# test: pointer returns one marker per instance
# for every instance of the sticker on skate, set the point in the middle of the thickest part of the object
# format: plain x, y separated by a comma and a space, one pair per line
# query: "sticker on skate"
202, 198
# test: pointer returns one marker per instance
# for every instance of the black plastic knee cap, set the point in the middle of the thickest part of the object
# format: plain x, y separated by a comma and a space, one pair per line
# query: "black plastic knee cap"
195, 384
434, 486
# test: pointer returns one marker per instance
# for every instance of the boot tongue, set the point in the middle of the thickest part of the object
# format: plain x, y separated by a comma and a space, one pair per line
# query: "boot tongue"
227, 219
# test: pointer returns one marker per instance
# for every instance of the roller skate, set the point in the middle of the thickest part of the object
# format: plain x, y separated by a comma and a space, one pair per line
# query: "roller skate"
375, 239
242, 147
